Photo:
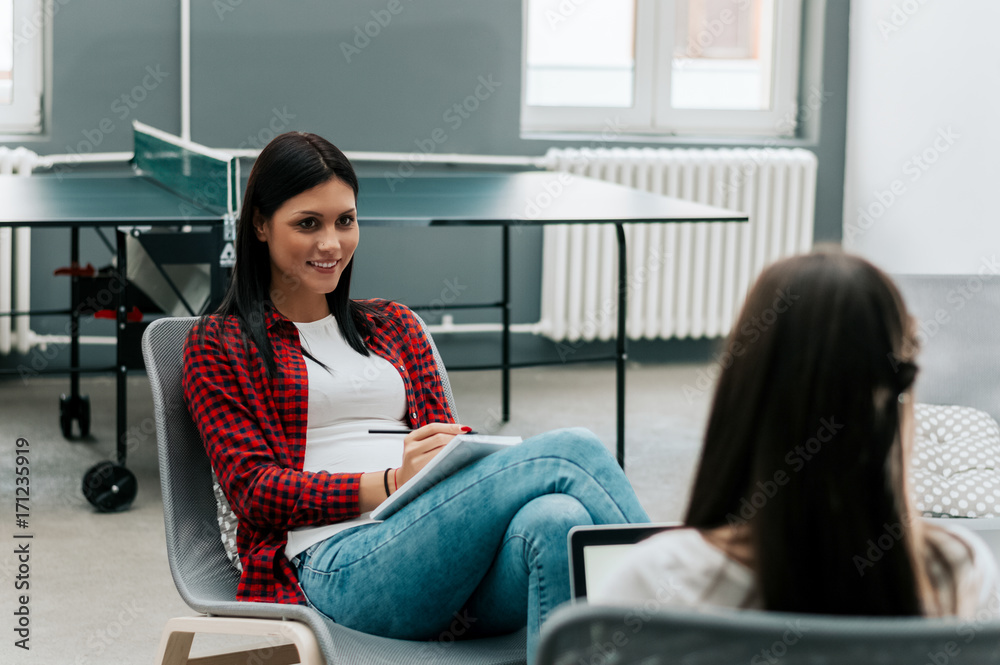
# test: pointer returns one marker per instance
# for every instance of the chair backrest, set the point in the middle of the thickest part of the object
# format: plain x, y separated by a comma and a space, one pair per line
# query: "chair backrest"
445, 382
959, 321
198, 562
649, 635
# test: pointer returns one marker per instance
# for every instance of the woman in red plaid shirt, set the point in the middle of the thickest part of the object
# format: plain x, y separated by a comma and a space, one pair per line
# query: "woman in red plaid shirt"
286, 379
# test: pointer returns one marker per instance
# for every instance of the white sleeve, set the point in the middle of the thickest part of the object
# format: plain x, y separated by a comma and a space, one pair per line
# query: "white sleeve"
677, 568
670, 569
984, 578
976, 574
633, 580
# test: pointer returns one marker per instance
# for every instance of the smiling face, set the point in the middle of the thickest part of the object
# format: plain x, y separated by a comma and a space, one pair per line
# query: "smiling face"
311, 239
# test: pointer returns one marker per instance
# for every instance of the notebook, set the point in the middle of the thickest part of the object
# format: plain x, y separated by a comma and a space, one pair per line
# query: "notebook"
460, 452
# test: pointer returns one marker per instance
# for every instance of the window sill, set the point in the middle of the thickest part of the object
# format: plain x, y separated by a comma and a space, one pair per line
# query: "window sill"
601, 139
8, 137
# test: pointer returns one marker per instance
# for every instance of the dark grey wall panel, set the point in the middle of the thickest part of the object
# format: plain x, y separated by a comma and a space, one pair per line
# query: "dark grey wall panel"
312, 66
396, 90
831, 134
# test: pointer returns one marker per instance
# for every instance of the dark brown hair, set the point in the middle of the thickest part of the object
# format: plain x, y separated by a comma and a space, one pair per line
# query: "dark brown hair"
289, 165
803, 442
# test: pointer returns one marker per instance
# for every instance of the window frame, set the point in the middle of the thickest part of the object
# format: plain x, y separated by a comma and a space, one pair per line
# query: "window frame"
24, 115
651, 112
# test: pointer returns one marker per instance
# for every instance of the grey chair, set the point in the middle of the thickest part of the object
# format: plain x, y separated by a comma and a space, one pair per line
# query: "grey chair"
652, 636
207, 580
959, 321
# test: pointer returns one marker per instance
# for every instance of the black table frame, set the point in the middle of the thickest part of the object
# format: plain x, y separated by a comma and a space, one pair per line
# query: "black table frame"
621, 340
218, 279
490, 198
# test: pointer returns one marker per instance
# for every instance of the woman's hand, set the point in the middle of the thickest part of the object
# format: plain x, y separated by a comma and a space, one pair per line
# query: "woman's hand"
421, 446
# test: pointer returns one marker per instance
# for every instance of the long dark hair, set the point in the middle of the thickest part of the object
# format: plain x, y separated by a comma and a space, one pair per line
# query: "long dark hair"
803, 443
289, 165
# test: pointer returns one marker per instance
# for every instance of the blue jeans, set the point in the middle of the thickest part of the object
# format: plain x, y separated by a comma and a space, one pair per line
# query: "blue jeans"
482, 552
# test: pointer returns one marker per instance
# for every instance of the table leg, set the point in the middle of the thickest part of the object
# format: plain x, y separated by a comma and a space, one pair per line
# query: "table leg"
218, 274
505, 351
120, 347
74, 316
621, 342
74, 406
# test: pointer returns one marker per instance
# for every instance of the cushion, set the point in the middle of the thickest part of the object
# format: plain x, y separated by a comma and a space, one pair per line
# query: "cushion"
955, 462
227, 523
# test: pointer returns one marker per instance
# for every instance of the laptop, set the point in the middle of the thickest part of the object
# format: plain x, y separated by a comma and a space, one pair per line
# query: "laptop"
594, 551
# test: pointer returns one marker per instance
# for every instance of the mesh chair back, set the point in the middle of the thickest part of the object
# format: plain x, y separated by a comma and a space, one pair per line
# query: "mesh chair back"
203, 574
959, 320
594, 634
198, 561
445, 383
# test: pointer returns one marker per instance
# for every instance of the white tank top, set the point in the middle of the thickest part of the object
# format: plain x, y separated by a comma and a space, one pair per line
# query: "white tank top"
357, 394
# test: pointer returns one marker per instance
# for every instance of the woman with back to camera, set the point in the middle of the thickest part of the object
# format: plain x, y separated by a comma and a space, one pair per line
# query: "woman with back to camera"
804, 466
286, 379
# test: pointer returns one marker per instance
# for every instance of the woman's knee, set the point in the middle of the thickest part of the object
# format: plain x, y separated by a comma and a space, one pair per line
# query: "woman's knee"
550, 515
542, 526
573, 443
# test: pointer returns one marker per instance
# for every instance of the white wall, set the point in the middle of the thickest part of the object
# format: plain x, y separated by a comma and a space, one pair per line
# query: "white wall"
923, 135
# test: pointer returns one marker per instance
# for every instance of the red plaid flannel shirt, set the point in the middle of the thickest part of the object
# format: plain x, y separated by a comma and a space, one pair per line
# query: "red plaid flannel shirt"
254, 431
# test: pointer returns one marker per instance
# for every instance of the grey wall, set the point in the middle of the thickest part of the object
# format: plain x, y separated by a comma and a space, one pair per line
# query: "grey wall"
260, 67
100, 52
394, 91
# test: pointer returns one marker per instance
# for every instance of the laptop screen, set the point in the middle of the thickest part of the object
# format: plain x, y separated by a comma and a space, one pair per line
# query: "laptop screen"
594, 551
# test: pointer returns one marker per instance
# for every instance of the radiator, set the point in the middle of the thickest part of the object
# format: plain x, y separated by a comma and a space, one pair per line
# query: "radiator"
685, 280
15, 261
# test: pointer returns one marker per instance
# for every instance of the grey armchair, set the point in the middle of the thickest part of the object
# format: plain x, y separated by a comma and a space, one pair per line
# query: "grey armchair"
651, 636
959, 321
206, 579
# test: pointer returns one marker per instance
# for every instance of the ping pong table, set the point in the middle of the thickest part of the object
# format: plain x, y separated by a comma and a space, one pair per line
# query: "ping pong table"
179, 197
194, 192
512, 200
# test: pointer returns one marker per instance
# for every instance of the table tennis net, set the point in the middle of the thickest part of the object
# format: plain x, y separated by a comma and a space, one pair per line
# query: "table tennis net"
202, 175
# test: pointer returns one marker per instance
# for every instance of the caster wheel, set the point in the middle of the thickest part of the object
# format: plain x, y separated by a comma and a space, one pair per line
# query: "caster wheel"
66, 416
66, 424
83, 416
74, 408
109, 487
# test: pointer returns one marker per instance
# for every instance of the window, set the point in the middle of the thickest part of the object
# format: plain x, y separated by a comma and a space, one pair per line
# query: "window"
701, 67
21, 81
